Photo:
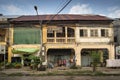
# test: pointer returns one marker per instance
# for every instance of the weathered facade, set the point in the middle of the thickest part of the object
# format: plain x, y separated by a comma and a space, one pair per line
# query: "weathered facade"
5, 36
116, 24
69, 38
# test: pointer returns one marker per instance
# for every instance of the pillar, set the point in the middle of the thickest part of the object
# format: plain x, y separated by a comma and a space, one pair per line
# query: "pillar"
78, 56
55, 36
44, 32
111, 52
9, 54
65, 34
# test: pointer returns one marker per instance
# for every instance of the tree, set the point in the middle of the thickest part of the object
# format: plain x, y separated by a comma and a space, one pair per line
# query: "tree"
96, 59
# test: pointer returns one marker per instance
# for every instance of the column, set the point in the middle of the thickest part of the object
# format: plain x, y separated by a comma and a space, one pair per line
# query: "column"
65, 34
111, 52
78, 56
9, 54
55, 36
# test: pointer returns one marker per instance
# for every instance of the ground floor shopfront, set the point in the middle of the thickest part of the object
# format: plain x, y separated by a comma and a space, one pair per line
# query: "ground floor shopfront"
67, 55
22, 53
78, 54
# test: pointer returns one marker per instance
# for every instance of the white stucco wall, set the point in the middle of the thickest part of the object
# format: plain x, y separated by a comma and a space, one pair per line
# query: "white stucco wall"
93, 39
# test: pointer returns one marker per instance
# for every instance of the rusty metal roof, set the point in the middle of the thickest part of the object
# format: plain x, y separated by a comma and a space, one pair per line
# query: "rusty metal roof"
60, 17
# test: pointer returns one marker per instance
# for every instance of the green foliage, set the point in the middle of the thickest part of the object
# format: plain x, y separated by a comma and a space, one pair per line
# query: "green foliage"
35, 61
17, 65
95, 56
8, 65
96, 59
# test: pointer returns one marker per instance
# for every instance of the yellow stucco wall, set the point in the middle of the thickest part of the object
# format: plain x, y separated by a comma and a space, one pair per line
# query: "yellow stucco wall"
44, 32
76, 47
9, 54
10, 43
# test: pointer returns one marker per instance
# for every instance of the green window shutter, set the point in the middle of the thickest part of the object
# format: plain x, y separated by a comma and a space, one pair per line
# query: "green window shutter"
26, 36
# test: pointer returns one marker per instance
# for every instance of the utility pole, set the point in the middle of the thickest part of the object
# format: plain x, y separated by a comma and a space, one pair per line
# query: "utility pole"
41, 35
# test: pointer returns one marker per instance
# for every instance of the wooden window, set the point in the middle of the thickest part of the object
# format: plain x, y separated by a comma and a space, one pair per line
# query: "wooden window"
94, 33
50, 33
70, 32
104, 33
83, 33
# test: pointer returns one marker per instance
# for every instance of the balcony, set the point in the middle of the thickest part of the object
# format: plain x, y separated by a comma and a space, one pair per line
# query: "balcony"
60, 40
61, 35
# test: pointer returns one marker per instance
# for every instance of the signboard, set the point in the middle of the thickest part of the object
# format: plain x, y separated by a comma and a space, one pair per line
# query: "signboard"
54, 28
113, 63
2, 49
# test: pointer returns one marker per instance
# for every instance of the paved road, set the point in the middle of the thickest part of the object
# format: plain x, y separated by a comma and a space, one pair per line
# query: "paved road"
60, 78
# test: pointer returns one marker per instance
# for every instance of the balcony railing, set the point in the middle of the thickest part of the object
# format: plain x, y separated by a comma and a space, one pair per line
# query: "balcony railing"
61, 40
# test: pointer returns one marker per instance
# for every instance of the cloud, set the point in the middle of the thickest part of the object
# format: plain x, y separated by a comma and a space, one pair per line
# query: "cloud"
81, 9
114, 12
14, 10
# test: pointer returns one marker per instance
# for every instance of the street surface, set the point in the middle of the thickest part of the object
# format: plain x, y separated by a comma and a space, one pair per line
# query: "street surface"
60, 78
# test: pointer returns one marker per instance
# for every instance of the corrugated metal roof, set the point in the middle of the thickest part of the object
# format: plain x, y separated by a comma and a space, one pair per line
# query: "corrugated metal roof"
60, 17
9, 16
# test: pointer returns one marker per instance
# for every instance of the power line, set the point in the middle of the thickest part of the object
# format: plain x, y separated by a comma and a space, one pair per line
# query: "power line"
59, 11
62, 3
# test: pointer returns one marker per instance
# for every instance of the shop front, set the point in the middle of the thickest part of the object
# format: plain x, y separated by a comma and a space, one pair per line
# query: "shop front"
61, 57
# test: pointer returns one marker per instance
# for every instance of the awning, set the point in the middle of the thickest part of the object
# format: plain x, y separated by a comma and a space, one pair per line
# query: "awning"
25, 50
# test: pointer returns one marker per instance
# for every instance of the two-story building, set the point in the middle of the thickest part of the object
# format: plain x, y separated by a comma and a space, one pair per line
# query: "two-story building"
66, 38
116, 24
4, 35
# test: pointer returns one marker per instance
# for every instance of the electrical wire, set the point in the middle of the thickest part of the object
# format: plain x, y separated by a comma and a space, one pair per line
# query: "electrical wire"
59, 11
62, 3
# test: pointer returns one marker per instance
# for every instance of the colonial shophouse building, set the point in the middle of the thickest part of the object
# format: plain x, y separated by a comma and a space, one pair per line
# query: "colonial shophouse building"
4, 36
65, 37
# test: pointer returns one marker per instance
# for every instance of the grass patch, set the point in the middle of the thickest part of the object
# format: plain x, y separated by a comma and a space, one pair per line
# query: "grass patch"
16, 74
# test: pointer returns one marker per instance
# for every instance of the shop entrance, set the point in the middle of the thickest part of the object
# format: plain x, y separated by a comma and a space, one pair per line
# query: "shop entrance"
60, 57
86, 58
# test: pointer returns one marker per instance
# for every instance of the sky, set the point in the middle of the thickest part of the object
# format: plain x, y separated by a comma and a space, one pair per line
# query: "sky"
109, 8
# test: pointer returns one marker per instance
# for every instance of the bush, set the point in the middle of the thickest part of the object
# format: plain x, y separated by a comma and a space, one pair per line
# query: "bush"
17, 65
8, 65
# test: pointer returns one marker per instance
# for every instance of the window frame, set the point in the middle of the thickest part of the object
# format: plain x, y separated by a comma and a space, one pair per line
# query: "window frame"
105, 33
83, 33
93, 32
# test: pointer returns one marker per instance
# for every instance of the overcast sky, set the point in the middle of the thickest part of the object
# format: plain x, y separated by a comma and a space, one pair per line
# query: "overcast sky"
110, 8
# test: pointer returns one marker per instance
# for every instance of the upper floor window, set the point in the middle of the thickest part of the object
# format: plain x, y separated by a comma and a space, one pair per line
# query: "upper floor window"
70, 32
83, 33
94, 33
26, 35
50, 33
104, 33
60, 32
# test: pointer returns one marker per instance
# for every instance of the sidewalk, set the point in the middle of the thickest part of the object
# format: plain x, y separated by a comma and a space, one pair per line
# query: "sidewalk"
61, 71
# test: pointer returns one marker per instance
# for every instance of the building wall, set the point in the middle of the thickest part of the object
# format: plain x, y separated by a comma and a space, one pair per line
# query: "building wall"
90, 39
79, 43
79, 47
87, 42
17, 46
